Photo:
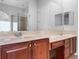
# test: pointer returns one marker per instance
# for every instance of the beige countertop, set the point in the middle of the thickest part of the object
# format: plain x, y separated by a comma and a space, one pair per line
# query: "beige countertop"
25, 38
62, 37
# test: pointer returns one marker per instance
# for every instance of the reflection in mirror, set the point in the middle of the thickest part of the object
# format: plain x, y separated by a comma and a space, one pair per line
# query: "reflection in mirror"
22, 24
31, 18
4, 22
7, 22
25, 17
18, 23
46, 14
12, 22
68, 19
58, 20
13, 15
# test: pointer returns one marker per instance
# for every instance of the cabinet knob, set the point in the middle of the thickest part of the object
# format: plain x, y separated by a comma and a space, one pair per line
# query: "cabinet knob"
35, 44
30, 45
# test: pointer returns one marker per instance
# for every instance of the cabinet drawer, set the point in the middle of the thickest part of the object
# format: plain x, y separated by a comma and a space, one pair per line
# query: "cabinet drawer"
67, 41
57, 44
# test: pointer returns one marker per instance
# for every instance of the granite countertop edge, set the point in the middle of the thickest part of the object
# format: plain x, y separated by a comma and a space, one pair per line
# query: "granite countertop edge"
63, 37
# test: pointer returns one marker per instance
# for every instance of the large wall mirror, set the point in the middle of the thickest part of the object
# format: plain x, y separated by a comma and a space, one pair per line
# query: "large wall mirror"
34, 15
30, 15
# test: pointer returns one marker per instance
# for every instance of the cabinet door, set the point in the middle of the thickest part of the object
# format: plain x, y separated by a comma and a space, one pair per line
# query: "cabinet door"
74, 42
16, 51
41, 49
67, 53
73, 45
67, 48
0, 52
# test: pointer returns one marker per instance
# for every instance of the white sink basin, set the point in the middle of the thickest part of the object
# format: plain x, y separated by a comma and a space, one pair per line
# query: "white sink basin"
55, 36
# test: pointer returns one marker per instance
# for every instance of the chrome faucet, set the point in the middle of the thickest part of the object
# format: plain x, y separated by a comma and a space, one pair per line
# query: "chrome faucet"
18, 34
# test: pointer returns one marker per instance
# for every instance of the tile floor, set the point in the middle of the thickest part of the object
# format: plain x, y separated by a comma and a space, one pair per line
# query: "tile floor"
74, 57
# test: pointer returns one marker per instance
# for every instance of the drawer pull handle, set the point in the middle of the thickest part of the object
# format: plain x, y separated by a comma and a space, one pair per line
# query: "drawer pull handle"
30, 45
35, 44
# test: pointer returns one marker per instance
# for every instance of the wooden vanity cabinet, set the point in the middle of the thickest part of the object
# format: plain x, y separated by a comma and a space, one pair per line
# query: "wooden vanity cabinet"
41, 49
57, 44
57, 50
67, 48
37, 49
16, 51
70, 47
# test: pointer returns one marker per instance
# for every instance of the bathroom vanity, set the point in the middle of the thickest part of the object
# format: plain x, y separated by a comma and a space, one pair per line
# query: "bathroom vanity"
63, 49
39, 48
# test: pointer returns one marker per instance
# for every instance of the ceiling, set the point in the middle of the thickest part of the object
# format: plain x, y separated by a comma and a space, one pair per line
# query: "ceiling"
16, 3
